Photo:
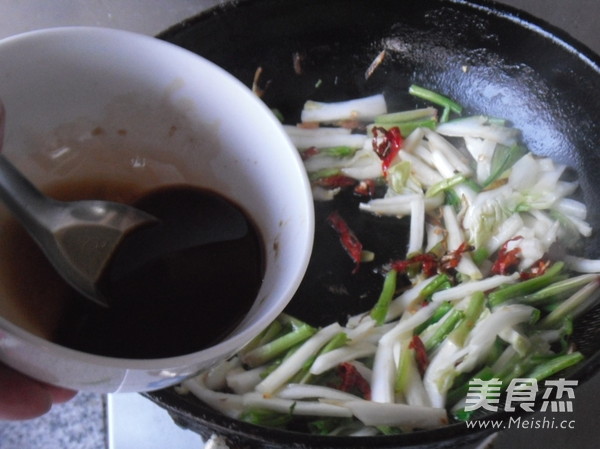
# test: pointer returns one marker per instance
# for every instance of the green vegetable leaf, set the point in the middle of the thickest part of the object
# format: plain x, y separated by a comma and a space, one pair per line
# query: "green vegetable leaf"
504, 157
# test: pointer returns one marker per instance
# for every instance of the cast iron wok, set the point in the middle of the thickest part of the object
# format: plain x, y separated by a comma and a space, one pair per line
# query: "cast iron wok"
491, 59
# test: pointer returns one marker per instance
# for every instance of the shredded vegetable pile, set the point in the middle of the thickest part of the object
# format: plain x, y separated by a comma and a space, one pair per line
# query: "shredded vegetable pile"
485, 298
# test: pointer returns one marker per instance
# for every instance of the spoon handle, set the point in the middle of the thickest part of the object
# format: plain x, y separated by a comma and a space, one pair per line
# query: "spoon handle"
23, 199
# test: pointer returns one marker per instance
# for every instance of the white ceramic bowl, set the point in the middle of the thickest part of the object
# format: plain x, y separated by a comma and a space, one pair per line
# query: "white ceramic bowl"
163, 115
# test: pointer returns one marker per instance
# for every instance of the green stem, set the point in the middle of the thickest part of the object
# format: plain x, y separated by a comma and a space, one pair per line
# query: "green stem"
555, 365
404, 364
480, 255
440, 282
472, 184
503, 158
558, 289
439, 313
517, 366
472, 313
452, 199
570, 306
268, 418
523, 288
264, 337
445, 115
495, 351
379, 311
272, 349
459, 392
444, 185
407, 127
435, 98
444, 329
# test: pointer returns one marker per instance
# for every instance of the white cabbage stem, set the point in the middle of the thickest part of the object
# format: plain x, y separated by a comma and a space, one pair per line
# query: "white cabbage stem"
364, 109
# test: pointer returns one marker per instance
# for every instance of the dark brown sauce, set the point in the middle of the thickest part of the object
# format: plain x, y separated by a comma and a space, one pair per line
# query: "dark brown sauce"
172, 294
176, 302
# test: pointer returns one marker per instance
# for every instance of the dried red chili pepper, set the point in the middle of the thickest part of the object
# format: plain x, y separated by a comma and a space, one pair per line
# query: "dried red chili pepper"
421, 356
508, 260
365, 188
453, 258
402, 266
389, 147
537, 269
428, 263
309, 152
347, 237
351, 380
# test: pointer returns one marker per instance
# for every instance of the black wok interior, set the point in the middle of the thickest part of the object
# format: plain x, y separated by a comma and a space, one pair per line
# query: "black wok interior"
491, 59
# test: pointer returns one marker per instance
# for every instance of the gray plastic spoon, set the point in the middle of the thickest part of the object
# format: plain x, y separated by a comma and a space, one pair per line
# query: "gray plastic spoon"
79, 237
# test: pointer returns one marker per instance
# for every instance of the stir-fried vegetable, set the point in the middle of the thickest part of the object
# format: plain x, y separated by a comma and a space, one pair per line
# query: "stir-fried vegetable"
485, 299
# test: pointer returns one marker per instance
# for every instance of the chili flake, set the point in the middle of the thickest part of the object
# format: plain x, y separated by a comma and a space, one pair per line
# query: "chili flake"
351, 380
421, 356
508, 260
389, 147
347, 237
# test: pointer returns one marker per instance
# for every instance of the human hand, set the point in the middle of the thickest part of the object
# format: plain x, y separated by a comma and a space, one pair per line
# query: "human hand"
22, 397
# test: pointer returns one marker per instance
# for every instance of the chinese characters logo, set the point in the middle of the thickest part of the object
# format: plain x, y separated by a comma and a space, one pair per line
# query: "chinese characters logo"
521, 392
